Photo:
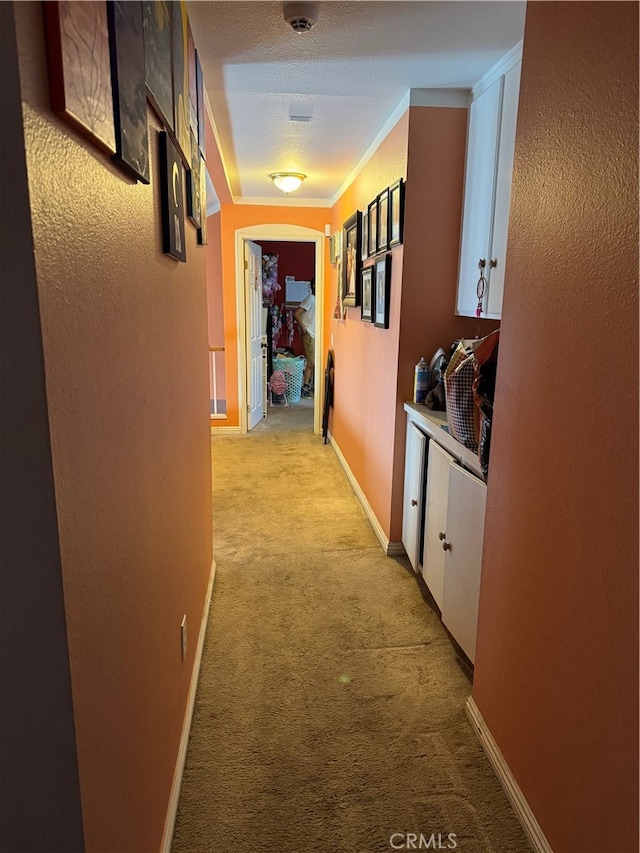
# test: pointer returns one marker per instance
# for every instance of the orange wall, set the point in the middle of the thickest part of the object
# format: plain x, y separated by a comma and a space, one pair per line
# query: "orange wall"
374, 367
124, 331
556, 675
246, 216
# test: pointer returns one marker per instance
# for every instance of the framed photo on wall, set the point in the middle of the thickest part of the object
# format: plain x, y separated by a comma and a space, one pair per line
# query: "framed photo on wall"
158, 48
373, 227
367, 295
126, 40
364, 253
351, 261
194, 204
383, 221
172, 196
396, 213
382, 292
77, 38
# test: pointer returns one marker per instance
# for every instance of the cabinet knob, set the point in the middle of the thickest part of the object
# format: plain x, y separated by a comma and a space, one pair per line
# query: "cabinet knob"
414, 502
441, 535
446, 546
493, 263
482, 262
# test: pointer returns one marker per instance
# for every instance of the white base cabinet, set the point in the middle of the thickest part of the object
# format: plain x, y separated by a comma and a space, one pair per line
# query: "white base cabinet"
413, 501
453, 521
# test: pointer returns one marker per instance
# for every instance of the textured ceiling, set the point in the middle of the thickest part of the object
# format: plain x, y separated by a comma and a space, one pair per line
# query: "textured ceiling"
349, 73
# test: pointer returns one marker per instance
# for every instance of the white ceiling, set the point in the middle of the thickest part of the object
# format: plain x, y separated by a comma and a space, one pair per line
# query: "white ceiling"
351, 72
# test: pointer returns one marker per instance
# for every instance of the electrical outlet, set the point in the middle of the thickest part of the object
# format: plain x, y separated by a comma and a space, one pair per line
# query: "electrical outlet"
183, 636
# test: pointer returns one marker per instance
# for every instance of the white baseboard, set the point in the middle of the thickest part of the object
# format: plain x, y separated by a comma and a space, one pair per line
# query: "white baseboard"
512, 789
225, 430
172, 809
391, 549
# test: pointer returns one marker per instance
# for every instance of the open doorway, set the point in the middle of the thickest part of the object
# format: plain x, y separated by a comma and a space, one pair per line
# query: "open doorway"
300, 254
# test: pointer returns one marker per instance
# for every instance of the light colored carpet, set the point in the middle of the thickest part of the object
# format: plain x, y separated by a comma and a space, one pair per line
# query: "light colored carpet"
329, 716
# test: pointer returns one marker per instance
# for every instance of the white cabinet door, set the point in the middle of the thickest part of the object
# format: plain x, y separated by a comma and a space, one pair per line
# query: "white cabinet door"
413, 493
464, 538
482, 149
435, 521
506, 149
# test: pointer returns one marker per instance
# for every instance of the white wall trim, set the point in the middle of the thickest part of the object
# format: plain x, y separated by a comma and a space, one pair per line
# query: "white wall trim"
227, 430
389, 548
505, 64
282, 201
512, 789
172, 808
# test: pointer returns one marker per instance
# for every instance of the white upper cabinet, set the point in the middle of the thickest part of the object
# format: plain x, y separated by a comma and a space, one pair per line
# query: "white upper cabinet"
487, 193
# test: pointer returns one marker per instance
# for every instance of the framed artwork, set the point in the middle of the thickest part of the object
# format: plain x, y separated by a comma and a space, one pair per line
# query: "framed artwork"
364, 245
172, 196
126, 39
202, 230
193, 88
158, 58
182, 119
194, 204
373, 227
383, 221
396, 213
77, 36
351, 261
382, 292
367, 295
335, 247
201, 118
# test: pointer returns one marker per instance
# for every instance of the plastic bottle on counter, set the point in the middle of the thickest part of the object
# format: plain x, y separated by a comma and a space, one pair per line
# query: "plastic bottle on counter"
421, 381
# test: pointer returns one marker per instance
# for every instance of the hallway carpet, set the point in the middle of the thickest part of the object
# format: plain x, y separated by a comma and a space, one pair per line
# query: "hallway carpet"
329, 716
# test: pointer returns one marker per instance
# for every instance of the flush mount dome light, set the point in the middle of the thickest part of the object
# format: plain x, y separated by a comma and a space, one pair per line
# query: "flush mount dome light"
287, 181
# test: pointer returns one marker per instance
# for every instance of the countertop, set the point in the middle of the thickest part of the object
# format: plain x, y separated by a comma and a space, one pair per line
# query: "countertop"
432, 423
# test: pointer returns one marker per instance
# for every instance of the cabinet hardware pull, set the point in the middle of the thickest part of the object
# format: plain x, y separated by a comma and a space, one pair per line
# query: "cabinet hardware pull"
414, 502
446, 546
493, 263
482, 262
441, 536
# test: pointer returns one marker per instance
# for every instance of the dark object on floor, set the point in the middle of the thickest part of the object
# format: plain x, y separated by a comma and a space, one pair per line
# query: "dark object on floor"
328, 394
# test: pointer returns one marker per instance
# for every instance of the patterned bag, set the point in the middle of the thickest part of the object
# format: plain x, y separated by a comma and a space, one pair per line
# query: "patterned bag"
462, 412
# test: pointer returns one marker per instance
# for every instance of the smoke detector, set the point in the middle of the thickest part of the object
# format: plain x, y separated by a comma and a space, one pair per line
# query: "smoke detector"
301, 16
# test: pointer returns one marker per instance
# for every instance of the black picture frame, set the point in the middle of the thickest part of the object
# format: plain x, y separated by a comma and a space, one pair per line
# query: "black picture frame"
382, 241
364, 243
202, 136
194, 205
203, 238
351, 260
172, 198
382, 292
396, 213
158, 58
367, 294
182, 120
372, 211
126, 47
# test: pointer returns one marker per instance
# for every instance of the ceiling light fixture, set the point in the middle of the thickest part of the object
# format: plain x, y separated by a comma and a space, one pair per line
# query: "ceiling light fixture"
287, 181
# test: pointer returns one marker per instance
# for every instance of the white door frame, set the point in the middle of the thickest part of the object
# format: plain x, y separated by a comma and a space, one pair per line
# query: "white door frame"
288, 234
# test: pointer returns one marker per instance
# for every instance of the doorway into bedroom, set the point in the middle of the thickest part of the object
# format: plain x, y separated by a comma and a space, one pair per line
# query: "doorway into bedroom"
279, 266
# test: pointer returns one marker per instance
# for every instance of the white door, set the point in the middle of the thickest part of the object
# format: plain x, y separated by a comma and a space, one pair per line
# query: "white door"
464, 537
435, 521
253, 315
412, 504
